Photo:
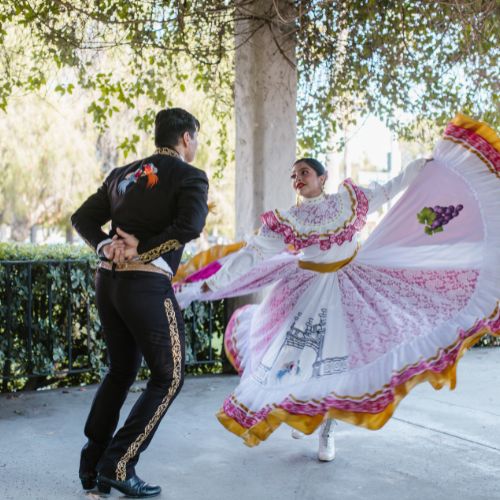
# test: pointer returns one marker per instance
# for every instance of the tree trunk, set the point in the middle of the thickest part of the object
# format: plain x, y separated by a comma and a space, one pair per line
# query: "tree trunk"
265, 95
69, 233
266, 113
20, 232
34, 234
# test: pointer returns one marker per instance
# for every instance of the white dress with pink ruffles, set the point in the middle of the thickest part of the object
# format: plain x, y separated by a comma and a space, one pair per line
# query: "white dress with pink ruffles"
351, 342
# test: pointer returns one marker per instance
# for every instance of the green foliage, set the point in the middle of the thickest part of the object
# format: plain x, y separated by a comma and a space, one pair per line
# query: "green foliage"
47, 304
20, 251
200, 318
48, 161
409, 63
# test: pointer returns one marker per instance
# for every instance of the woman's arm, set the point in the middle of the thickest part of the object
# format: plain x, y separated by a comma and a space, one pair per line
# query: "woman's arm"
259, 248
378, 194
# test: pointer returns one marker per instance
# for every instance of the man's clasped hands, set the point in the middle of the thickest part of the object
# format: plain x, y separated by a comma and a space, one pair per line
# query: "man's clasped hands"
123, 248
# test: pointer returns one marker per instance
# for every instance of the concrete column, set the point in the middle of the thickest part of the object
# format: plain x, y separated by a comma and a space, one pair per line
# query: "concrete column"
266, 113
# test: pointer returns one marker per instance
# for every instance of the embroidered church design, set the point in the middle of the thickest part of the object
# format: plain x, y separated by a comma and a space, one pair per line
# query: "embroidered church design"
312, 336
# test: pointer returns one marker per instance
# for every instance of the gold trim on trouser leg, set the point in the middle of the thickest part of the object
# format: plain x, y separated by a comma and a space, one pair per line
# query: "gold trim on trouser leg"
121, 468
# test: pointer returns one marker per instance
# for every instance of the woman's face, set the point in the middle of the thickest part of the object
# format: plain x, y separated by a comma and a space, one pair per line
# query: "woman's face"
305, 180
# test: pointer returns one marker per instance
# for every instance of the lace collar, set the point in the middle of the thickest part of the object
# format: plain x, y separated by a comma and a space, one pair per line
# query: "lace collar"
332, 220
316, 199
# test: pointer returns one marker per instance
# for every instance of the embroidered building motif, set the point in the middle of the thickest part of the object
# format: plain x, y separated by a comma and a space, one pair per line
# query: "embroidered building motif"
292, 366
311, 336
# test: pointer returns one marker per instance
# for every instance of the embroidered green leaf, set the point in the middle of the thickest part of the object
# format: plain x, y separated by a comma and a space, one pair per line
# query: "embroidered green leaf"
426, 216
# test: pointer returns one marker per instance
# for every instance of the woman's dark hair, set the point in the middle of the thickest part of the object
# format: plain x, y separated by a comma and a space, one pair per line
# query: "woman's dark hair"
314, 164
171, 124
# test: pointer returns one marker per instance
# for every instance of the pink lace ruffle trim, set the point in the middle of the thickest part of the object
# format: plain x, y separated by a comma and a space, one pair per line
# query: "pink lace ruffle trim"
230, 343
476, 142
327, 239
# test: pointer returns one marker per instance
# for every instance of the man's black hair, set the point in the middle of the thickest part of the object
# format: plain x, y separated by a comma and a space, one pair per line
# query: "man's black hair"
171, 124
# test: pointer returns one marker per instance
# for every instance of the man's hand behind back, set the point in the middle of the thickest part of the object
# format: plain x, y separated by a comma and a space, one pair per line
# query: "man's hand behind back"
123, 247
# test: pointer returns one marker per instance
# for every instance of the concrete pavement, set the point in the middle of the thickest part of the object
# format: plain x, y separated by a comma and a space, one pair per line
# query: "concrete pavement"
440, 445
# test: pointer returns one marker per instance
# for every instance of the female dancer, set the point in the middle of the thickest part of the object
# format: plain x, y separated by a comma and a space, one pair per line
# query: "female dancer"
345, 331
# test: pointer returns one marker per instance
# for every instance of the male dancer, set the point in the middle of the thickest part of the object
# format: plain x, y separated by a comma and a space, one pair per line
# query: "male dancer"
155, 205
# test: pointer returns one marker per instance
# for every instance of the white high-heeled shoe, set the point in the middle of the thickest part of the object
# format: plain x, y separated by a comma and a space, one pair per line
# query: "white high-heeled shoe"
326, 450
296, 434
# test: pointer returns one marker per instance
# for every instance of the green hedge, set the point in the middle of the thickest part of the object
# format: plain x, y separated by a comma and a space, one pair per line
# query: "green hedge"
25, 251
62, 312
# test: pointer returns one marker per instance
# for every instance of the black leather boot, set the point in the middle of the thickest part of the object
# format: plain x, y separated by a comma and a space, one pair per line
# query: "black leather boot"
90, 455
88, 481
133, 487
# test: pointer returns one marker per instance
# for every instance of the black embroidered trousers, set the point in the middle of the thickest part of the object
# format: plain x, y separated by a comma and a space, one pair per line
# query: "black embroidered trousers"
140, 319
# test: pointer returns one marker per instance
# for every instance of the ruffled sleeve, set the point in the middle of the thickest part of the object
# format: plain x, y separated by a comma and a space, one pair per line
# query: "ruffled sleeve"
378, 194
260, 247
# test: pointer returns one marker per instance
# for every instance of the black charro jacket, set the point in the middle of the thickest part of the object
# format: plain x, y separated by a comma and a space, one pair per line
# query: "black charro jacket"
163, 215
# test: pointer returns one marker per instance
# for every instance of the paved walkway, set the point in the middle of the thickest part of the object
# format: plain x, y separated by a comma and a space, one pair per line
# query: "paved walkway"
440, 446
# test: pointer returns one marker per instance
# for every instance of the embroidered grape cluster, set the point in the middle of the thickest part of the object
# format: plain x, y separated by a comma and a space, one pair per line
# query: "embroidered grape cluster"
434, 218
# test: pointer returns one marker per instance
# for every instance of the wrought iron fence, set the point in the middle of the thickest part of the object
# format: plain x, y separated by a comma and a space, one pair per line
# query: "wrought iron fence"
50, 330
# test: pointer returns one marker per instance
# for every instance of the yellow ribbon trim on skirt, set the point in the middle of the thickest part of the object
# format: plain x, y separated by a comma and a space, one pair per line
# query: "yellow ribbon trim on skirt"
480, 128
373, 421
206, 257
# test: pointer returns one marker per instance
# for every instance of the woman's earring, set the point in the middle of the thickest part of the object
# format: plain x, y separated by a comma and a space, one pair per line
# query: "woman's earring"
323, 189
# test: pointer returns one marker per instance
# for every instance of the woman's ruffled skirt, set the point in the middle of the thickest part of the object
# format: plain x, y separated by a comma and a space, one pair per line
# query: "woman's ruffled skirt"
352, 344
